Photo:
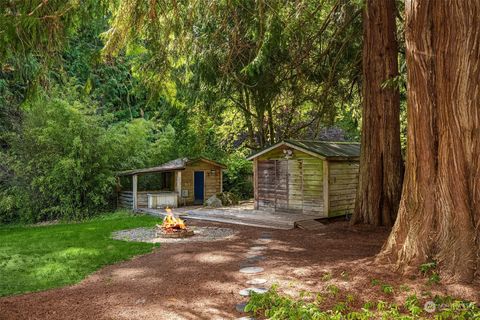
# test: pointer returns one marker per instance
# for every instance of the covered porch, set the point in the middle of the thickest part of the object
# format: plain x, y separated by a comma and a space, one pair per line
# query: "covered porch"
149, 190
173, 184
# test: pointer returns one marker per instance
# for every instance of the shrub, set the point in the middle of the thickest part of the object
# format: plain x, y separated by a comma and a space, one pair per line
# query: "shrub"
60, 164
238, 176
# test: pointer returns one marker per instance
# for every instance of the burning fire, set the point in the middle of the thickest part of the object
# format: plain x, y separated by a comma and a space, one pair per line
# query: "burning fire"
171, 224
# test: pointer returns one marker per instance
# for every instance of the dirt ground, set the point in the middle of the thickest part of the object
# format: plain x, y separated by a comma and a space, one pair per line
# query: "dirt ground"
201, 280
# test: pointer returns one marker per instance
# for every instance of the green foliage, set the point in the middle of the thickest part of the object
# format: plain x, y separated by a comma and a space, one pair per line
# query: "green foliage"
327, 276
284, 70
427, 267
59, 171
388, 289
413, 305
273, 305
428, 270
238, 178
64, 157
34, 258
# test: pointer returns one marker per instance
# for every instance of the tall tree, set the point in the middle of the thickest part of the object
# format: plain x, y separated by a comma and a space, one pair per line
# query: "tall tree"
283, 67
381, 166
439, 215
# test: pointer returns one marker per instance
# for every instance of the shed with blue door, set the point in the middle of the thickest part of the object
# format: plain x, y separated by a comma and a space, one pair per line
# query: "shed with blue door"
176, 183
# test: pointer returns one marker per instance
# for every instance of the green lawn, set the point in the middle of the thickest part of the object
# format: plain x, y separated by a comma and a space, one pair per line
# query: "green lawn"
34, 258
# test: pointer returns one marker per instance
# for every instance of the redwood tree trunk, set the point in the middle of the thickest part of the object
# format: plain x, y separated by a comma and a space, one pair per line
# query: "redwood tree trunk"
439, 215
381, 166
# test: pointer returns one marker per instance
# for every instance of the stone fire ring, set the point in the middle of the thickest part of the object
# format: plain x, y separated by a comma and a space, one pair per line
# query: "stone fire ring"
150, 235
176, 234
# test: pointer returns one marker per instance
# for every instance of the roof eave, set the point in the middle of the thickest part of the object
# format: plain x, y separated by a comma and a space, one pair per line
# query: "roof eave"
215, 163
288, 144
145, 171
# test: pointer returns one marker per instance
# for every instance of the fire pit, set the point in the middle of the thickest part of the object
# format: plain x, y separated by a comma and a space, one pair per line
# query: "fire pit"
173, 227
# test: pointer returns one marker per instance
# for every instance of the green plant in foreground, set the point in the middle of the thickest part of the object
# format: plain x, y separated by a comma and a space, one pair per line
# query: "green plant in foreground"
426, 267
333, 289
386, 288
326, 276
434, 278
413, 305
274, 306
375, 282
428, 270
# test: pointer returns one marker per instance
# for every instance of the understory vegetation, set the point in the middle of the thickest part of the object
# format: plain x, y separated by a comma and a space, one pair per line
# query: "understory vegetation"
34, 258
274, 305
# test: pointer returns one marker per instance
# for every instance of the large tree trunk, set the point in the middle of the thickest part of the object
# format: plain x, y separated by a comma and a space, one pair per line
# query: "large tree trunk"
439, 215
381, 166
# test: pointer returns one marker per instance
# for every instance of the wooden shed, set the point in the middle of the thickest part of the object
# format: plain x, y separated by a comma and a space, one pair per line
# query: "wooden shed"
308, 177
175, 183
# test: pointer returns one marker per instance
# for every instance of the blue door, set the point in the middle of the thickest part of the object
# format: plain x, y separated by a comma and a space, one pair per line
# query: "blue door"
198, 186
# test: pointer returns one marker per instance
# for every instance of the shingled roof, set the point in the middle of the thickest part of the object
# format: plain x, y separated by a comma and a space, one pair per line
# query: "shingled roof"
323, 149
174, 165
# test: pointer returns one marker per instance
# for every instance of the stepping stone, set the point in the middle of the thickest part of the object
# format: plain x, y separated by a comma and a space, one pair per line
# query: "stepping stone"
240, 307
258, 248
251, 270
262, 240
256, 281
246, 292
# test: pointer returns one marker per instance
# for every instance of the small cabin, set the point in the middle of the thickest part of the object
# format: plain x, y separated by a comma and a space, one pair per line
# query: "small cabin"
176, 183
308, 177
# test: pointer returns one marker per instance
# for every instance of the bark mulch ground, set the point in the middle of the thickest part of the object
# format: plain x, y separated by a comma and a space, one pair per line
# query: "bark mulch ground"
201, 280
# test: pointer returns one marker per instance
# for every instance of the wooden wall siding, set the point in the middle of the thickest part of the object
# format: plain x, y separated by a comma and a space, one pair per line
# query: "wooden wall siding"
125, 199
266, 184
343, 186
294, 185
212, 183
313, 186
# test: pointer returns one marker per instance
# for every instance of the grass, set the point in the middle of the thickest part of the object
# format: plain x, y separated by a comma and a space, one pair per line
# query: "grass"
34, 258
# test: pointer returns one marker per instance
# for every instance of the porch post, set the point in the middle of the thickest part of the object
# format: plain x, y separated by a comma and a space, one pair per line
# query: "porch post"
221, 180
178, 185
134, 192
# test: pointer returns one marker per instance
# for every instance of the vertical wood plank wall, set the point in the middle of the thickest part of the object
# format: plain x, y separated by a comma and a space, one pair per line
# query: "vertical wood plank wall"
212, 183
343, 177
293, 185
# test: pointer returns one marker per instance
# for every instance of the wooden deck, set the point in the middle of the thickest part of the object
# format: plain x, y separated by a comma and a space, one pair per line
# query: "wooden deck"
243, 214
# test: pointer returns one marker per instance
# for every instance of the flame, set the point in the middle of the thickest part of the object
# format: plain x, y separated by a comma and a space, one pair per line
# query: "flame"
172, 224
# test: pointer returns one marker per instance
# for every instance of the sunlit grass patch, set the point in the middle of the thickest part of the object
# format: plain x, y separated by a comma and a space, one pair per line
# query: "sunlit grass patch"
36, 258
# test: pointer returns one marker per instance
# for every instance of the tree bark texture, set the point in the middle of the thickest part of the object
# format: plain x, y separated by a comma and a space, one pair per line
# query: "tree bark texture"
439, 215
381, 164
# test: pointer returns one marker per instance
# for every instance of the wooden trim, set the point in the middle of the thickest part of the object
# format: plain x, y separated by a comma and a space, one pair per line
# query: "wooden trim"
326, 198
214, 163
221, 180
134, 192
283, 143
178, 186
255, 183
